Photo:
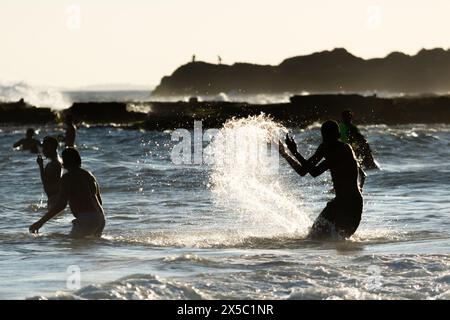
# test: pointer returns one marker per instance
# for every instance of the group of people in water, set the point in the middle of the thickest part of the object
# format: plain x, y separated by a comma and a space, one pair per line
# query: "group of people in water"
343, 151
77, 187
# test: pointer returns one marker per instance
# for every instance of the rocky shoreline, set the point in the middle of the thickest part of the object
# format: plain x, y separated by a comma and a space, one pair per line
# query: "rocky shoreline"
299, 112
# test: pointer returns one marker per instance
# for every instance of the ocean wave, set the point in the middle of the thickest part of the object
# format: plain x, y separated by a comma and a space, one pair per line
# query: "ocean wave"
132, 287
312, 277
39, 97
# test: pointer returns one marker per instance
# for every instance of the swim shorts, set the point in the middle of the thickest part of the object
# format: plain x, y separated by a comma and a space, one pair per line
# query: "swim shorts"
88, 225
339, 219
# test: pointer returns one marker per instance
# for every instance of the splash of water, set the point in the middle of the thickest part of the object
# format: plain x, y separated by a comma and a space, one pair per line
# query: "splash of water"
41, 98
245, 178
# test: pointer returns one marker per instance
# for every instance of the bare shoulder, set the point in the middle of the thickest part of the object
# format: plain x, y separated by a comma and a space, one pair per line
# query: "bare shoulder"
89, 175
87, 172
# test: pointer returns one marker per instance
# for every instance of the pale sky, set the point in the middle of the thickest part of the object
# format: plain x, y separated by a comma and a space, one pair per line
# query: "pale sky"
46, 42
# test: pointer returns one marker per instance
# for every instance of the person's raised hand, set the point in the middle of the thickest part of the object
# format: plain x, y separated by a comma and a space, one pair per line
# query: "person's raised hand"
292, 146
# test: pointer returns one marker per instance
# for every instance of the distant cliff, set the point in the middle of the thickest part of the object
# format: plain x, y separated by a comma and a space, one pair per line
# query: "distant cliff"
329, 71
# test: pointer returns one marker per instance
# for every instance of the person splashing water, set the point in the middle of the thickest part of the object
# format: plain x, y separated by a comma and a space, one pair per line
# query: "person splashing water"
342, 215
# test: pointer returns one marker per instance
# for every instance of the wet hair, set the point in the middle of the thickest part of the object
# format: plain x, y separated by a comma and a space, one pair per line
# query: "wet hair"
51, 142
71, 158
330, 131
30, 132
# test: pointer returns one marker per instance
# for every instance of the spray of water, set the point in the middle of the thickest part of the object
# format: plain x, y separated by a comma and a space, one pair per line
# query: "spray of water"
246, 180
41, 98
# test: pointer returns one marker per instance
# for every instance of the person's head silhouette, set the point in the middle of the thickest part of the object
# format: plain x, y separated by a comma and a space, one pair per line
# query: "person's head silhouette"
71, 159
330, 131
49, 147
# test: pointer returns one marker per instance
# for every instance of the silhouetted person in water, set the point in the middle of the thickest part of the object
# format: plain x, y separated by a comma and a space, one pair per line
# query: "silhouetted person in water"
349, 131
29, 143
350, 134
51, 175
342, 215
80, 189
71, 132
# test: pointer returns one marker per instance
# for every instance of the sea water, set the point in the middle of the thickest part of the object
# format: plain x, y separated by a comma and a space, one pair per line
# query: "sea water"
230, 229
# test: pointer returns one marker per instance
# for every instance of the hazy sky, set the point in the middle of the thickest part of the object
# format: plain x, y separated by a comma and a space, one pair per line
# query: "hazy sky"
84, 42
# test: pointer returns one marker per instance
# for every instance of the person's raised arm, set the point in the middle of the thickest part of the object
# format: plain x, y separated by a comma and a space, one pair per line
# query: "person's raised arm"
63, 198
309, 165
292, 162
40, 163
312, 161
319, 169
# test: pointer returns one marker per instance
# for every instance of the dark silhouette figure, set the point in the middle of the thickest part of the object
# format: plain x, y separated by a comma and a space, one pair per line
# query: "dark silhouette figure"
28, 143
79, 188
342, 215
51, 175
193, 58
350, 134
219, 60
71, 132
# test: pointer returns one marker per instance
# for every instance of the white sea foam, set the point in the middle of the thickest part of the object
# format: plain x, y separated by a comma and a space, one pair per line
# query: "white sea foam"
42, 98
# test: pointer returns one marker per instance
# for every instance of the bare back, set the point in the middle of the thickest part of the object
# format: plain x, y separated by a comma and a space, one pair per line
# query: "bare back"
80, 189
28, 144
342, 163
52, 177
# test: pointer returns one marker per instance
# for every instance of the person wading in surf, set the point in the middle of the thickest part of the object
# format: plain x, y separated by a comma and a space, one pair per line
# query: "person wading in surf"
71, 132
80, 189
342, 215
28, 143
350, 134
51, 174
